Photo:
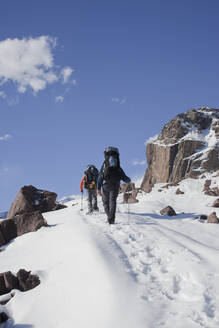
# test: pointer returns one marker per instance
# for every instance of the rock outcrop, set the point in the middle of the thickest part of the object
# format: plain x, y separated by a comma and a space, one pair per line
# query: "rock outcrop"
187, 147
19, 225
30, 199
129, 193
23, 281
168, 211
212, 218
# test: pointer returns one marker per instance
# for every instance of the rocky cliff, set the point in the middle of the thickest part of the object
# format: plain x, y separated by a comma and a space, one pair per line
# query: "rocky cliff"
187, 147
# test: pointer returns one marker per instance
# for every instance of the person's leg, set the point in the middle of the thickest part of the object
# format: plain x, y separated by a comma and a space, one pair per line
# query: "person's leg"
89, 201
113, 194
95, 207
105, 199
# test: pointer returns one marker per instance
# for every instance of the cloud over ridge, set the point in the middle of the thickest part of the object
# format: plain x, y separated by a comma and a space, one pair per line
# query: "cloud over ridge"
29, 63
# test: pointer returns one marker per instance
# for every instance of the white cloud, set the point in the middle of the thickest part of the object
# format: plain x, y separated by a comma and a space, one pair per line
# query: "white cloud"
136, 162
66, 72
59, 99
29, 63
5, 137
2, 94
119, 100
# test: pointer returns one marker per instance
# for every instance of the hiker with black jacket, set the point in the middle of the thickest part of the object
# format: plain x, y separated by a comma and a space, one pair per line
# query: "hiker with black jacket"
109, 180
89, 181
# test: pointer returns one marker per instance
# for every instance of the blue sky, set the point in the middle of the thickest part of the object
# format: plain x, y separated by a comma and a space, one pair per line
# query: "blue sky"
77, 76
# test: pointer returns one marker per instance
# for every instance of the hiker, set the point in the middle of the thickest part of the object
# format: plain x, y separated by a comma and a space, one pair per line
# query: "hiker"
89, 181
109, 180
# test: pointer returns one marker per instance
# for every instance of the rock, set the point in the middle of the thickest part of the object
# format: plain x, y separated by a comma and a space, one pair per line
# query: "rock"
27, 280
179, 192
174, 184
130, 198
19, 225
212, 218
29, 222
207, 185
3, 289
168, 211
30, 199
129, 193
175, 154
127, 187
216, 203
202, 217
8, 230
3, 317
11, 282
2, 239
23, 281
59, 206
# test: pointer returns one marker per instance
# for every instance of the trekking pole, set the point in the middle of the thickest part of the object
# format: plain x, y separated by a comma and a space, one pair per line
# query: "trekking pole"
82, 201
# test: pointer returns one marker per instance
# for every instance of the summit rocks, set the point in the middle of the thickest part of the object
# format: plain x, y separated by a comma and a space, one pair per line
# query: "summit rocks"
30, 199
187, 147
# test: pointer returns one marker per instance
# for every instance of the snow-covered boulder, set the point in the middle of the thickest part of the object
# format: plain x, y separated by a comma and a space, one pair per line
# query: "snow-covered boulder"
187, 147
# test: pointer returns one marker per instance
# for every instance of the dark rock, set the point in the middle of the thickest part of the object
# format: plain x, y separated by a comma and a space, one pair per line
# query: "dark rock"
30, 199
168, 211
27, 280
216, 203
29, 222
212, 218
3, 289
2, 239
130, 198
127, 187
207, 185
171, 157
8, 229
59, 206
11, 282
129, 193
3, 317
20, 224
202, 217
179, 192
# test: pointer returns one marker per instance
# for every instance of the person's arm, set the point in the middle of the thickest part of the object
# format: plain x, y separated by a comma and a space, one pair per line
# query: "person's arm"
82, 184
124, 176
100, 181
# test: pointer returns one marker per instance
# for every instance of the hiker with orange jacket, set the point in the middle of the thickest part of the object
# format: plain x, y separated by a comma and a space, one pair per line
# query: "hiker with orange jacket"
89, 181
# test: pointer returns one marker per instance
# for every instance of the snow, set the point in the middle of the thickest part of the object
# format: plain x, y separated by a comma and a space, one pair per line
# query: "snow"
147, 270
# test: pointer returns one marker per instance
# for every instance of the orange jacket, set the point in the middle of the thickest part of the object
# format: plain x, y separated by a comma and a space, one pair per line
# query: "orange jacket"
82, 183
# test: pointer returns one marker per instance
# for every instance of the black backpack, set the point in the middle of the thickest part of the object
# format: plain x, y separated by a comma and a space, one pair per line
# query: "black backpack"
111, 166
90, 177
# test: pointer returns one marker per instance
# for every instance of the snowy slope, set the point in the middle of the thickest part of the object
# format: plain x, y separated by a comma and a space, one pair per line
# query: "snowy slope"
145, 271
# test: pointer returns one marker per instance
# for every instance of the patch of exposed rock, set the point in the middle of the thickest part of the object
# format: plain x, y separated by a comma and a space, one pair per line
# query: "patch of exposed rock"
30, 199
23, 281
210, 191
19, 225
187, 147
168, 210
212, 218
129, 193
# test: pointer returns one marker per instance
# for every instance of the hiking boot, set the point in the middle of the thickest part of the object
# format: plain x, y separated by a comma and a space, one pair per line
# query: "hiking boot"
96, 209
89, 212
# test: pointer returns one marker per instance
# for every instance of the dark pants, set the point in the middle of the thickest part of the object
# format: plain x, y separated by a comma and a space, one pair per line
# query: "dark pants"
109, 196
92, 200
